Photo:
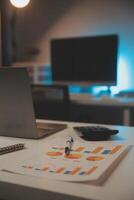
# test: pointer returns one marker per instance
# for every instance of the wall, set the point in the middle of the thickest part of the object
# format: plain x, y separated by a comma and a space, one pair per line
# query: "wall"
0, 42
6, 33
46, 19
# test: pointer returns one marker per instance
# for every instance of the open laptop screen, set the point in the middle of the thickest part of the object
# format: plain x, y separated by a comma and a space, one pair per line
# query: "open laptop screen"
17, 117
16, 108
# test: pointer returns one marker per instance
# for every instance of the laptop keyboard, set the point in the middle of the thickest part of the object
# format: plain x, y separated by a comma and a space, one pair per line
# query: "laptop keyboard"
45, 129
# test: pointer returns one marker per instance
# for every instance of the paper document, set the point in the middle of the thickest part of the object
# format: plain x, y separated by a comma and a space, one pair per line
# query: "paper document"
87, 161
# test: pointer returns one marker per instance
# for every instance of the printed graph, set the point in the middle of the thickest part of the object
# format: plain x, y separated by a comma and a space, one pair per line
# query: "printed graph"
82, 151
85, 161
62, 170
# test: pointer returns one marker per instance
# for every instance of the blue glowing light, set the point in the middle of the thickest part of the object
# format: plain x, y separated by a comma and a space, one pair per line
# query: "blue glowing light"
123, 75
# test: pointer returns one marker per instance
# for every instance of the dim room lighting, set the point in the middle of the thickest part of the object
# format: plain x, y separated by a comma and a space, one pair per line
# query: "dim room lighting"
19, 3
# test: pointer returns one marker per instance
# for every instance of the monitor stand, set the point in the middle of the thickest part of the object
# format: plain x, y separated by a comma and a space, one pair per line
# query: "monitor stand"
109, 90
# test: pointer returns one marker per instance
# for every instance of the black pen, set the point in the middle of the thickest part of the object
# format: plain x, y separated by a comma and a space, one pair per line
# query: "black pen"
69, 143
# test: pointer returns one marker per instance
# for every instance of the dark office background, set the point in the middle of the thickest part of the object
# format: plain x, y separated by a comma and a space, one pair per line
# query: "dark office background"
42, 20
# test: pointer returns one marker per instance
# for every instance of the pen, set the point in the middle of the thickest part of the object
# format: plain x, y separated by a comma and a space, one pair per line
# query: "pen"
69, 144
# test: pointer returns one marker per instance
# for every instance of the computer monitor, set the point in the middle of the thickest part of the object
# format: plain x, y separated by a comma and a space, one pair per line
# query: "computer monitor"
85, 60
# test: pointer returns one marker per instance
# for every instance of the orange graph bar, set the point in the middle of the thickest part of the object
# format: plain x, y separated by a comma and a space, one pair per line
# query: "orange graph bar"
115, 149
62, 148
29, 167
60, 170
90, 171
97, 150
79, 149
77, 169
45, 168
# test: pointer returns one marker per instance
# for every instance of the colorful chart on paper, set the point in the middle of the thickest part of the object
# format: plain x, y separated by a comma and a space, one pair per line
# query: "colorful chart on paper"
87, 161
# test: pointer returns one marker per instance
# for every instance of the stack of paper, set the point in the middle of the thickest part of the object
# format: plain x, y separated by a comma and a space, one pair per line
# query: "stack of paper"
87, 161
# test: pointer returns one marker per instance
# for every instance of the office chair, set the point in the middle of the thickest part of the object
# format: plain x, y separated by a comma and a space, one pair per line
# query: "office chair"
51, 102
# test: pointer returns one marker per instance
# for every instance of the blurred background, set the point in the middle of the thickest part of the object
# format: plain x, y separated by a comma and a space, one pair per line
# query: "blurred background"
25, 35
28, 30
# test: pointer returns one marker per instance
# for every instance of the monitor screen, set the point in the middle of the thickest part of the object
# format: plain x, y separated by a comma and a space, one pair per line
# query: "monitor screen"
85, 60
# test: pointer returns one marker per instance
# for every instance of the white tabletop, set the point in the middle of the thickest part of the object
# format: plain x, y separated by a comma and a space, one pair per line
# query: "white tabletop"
118, 186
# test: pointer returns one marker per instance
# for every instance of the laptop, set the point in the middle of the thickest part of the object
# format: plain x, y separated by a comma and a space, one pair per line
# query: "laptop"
17, 118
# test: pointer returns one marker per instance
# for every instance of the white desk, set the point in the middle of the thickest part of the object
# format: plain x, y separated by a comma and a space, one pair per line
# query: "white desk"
118, 186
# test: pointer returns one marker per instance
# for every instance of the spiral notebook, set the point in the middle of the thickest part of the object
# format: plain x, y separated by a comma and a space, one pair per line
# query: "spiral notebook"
90, 162
7, 146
